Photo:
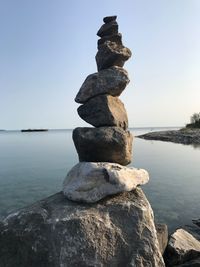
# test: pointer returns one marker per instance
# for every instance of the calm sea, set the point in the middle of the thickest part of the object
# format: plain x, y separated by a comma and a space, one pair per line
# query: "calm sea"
33, 166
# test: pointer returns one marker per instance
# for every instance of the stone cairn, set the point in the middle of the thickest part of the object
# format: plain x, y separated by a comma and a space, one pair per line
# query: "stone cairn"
105, 149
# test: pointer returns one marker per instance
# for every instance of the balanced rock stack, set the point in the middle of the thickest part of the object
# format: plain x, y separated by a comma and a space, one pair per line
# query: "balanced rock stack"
106, 148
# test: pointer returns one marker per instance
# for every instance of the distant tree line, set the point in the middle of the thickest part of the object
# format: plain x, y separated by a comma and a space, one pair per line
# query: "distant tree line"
194, 121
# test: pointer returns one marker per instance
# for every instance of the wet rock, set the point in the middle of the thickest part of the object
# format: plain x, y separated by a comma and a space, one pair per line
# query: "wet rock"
103, 144
116, 38
192, 263
108, 29
109, 19
111, 54
111, 81
182, 247
162, 234
117, 231
90, 182
104, 110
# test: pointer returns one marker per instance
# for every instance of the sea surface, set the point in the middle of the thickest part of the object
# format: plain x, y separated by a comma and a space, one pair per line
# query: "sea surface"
34, 165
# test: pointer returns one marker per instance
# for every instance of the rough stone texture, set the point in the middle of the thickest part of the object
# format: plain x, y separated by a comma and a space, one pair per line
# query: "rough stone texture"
192, 263
182, 247
104, 144
108, 29
117, 231
104, 110
109, 19
111, 54
162, 234
111, 81
91, 181
117, 38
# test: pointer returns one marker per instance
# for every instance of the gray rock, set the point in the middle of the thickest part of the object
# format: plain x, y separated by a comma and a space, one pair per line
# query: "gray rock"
55, 232
116, 38
111, 81
109, 19
111, 54
182, 247
192, 263
108, 29
104, 110
104, 144
91, 181
162, 234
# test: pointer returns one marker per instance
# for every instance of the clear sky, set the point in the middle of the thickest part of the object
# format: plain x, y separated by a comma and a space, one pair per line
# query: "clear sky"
48, 47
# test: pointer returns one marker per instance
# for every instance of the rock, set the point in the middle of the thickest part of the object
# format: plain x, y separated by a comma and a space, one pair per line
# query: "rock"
182, 247
116, 38
162, 234
192, 263
104, 110
111, 54
117, 231
90, 182
104, 144
108, 29
111, 81
109, 19
196, 222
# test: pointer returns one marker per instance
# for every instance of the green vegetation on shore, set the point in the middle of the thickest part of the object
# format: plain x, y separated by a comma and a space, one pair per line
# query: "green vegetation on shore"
194, 121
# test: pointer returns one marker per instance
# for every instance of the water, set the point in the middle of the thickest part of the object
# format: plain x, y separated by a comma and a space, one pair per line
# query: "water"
33, 166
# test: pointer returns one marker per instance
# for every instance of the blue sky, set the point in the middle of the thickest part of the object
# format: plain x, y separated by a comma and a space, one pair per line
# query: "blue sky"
48, 48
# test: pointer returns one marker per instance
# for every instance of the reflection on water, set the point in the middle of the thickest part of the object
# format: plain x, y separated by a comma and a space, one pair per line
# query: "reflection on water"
33, 166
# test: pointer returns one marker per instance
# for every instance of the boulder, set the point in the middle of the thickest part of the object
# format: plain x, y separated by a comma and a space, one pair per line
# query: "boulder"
117, 231
108, 29
104, 144
162, 234
104, 110
116, 38
109, 19
111, 81
191, 263
111, 54
91, 181
182, 247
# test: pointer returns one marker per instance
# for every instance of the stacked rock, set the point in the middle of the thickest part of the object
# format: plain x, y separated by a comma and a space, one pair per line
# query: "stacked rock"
104, 148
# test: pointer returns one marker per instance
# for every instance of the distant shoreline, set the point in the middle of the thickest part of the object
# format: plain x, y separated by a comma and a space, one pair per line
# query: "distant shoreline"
34, 130
186, 136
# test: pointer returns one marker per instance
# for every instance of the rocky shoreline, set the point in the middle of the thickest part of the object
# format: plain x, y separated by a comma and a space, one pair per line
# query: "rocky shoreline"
183, 136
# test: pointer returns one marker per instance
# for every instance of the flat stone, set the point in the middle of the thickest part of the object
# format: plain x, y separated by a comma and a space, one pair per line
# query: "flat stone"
116, 38
111, 54
111, 81
109, 19
92, 181
55, 232
104, 144
104, 110
108, 29
182, 247
162, 234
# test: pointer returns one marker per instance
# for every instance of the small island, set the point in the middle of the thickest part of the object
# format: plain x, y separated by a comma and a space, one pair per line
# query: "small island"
189, 135
34, 130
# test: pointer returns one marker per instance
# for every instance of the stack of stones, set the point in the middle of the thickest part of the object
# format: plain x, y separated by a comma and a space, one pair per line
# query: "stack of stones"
105, 149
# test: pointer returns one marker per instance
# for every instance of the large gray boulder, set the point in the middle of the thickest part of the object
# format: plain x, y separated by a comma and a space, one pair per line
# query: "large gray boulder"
111, 54
56, 232
182, 247
103, 144
104, 110
92, 181
111, 81
109, 19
